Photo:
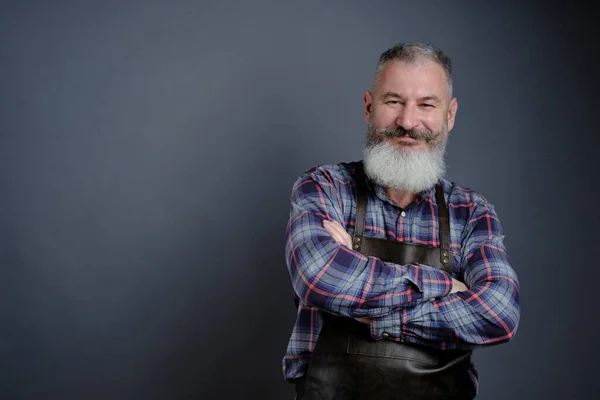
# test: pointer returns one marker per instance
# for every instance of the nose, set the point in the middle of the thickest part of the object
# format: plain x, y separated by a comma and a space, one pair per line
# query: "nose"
407, 117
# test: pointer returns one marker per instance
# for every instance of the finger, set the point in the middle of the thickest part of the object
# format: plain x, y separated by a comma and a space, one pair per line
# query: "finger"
339, 239
334, 236
338, 233
345, 238
338, 228
328, 228
349, 241
333, 228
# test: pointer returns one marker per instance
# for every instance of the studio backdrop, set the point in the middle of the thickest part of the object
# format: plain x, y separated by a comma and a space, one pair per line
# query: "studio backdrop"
148, 151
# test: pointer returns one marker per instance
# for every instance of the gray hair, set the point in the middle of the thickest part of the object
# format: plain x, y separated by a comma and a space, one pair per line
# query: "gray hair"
414, 52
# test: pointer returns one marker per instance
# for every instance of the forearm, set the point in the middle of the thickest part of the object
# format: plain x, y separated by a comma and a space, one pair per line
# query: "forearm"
336, 278
341, 281
485, 315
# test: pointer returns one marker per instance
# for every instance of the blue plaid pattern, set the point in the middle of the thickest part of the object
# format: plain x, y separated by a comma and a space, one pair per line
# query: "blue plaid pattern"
410, 303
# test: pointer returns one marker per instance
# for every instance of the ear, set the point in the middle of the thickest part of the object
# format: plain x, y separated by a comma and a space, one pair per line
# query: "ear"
452, 113
368, 98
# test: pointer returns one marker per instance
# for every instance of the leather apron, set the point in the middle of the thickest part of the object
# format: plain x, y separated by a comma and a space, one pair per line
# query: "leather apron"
348, 364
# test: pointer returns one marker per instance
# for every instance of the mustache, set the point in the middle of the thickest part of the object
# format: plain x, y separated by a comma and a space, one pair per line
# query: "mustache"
398, 132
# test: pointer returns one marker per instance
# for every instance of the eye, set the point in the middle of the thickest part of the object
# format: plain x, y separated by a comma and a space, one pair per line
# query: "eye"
426, 105
392, 102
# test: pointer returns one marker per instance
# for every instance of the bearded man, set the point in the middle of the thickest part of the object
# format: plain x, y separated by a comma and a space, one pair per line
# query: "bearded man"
398, 273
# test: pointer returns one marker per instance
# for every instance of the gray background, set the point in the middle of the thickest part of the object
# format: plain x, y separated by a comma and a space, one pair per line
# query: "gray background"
148, 149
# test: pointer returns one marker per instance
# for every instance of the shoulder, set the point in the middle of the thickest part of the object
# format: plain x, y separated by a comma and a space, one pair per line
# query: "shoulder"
462, 195
329, 189
465, 201
472, 214
332, 175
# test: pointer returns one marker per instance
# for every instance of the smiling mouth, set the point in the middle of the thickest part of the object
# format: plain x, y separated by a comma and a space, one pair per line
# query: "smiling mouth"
406, 140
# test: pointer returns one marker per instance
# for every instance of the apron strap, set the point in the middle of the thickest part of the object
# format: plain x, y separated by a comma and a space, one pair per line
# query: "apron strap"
444, 225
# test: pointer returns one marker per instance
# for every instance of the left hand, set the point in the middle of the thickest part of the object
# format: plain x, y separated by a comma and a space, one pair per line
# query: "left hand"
339, 234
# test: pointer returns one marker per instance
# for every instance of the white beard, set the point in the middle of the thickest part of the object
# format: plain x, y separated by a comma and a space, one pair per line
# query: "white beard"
403, 168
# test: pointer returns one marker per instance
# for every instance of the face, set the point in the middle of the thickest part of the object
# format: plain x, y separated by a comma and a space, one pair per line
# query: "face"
409, 114
410, 105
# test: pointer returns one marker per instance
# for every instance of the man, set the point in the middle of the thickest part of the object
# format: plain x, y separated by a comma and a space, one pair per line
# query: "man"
398, 273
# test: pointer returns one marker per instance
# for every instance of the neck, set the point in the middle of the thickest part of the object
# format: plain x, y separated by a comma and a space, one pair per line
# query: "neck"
402, 197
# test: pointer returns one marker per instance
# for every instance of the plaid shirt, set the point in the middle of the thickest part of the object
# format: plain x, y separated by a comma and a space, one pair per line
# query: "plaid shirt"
409, 303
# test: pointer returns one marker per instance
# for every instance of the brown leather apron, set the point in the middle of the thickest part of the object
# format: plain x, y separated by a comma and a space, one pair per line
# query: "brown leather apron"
348, 364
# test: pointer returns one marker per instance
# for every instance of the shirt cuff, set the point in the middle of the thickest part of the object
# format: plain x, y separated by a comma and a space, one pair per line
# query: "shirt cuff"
387, 327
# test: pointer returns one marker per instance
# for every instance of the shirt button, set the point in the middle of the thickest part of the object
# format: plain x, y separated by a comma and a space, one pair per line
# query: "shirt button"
403, 214
385, 335
432, 299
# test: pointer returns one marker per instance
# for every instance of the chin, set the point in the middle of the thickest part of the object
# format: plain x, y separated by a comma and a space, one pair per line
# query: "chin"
412, 168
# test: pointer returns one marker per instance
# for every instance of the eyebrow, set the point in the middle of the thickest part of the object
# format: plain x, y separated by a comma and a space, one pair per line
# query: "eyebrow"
431, 97
391, 94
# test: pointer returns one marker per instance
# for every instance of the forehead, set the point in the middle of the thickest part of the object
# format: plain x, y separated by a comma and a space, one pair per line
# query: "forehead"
419, 79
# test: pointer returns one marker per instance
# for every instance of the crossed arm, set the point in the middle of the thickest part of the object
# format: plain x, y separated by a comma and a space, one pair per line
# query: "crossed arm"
339, 234
396, 299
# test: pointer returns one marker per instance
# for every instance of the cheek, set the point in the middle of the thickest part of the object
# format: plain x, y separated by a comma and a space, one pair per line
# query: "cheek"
382, 117
434, 123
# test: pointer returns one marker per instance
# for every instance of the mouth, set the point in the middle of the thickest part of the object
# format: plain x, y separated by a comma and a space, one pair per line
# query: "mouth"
407, 141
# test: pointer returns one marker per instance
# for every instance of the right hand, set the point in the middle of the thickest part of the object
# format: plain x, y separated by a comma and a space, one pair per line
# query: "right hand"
458, 286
